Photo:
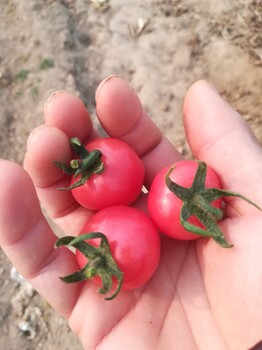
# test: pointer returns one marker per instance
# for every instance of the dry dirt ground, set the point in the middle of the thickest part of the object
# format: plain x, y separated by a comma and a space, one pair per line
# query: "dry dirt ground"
160, 46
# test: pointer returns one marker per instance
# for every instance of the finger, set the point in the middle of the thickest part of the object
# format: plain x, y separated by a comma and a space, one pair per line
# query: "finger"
45, 145
67, 112
218, 135
121, 114
28, 241
66, 117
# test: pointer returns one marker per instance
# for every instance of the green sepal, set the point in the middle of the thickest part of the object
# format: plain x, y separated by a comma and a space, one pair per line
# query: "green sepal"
99, 262
78, 147
208, 221
87, 164
216, 193
64, 167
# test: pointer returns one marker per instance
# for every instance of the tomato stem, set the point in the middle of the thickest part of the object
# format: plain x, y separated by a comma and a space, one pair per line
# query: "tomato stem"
99, 262
86, 165
197, 202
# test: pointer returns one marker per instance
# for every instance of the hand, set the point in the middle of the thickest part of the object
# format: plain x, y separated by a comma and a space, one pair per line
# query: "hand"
202, 296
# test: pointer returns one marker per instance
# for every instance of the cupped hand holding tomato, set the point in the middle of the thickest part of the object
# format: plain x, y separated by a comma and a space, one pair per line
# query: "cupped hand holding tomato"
201, 296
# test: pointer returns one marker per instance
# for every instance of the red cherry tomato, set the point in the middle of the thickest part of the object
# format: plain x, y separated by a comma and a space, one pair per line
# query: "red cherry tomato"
120, 182
165, 207
134, 242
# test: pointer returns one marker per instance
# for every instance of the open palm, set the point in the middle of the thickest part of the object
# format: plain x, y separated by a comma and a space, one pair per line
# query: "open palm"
202, 296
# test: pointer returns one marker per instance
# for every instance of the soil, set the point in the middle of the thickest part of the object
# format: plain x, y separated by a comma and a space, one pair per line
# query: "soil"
160, 46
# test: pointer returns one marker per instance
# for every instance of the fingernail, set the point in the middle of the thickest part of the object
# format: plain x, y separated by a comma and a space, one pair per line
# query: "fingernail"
103, 82
50, 98
213, 88
34, 132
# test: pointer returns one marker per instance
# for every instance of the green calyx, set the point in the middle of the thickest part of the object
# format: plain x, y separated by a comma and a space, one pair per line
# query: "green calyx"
99, 262
85, 165
197, 201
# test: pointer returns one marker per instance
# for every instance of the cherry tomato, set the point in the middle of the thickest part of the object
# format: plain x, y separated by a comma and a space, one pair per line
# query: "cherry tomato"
134, 242
165, 207
119, 183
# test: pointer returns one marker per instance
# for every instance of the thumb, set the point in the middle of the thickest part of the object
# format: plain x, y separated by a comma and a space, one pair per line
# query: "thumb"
219, 136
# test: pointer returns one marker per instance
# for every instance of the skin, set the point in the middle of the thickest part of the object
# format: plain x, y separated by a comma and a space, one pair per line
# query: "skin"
202, 296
